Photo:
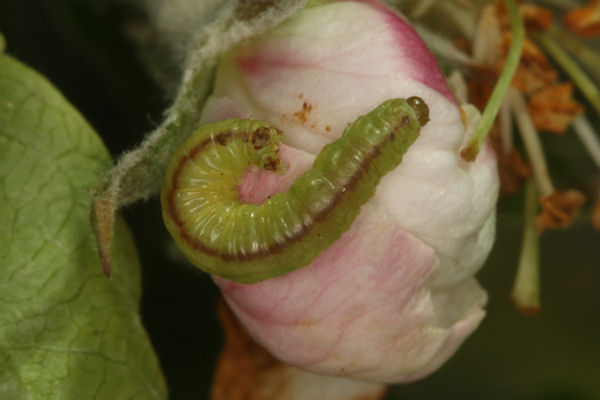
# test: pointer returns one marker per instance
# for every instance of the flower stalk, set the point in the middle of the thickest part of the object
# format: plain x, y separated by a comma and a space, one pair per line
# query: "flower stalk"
533, 144
470, 152
526, 289
589, 58
583, 82
506, 128
589, 138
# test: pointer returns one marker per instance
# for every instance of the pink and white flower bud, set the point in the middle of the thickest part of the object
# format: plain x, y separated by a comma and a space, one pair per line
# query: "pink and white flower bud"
395, 296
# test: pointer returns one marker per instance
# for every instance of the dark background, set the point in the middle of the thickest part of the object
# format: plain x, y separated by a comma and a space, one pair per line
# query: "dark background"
84, 49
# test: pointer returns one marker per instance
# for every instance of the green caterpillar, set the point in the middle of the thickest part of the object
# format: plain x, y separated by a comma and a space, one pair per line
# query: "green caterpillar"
247, 242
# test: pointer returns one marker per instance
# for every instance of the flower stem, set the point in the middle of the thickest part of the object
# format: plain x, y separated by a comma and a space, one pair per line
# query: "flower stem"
506, 128
588, 137
587, 56
583, 82
532, 142
526, 289
470, 152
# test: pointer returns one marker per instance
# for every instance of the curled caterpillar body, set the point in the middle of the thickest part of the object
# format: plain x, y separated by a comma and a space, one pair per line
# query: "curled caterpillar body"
247, 242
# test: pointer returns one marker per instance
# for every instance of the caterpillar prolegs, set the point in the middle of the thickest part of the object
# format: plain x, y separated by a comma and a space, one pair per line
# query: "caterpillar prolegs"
247, 242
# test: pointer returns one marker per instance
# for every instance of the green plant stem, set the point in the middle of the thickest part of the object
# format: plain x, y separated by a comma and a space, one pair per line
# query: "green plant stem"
526, 289
583, 82
588, 57
531, 140
584, 130
470, 152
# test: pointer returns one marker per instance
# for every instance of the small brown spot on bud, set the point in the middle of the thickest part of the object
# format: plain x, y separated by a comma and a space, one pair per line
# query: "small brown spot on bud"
302, 114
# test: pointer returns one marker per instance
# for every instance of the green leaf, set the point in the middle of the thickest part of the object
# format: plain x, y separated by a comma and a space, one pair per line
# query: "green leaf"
66, 332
